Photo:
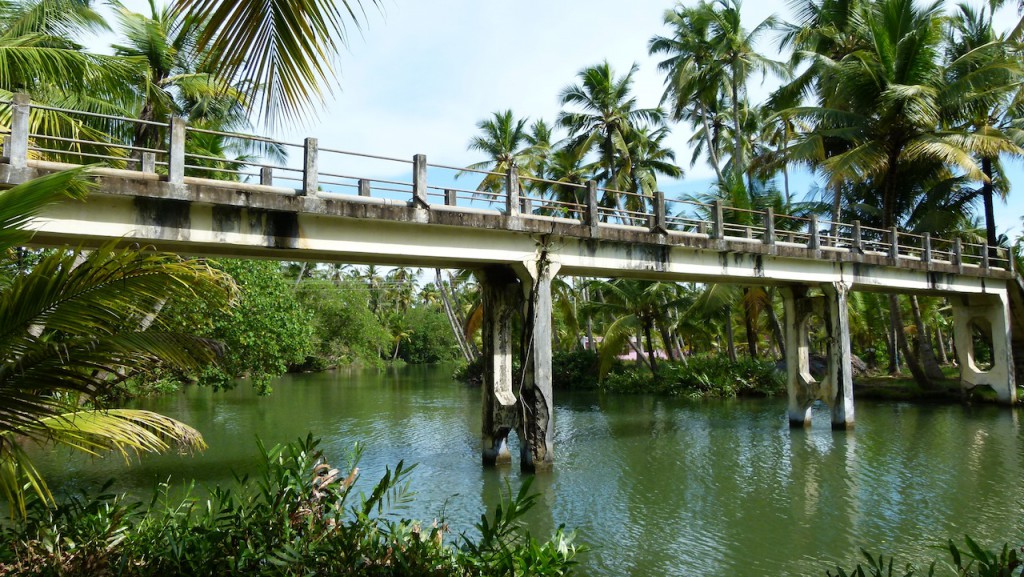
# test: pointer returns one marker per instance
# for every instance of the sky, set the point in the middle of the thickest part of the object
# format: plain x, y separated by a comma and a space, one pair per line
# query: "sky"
419, 76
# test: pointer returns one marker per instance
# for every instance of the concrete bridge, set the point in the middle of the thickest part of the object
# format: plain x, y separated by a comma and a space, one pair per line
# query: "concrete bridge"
517, 239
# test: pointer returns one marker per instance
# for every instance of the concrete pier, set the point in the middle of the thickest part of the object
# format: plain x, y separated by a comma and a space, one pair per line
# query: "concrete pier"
836, 388
538, 422
523, 293
989, 314
501, 298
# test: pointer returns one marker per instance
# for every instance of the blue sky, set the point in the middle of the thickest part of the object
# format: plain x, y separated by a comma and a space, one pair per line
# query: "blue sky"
420, 75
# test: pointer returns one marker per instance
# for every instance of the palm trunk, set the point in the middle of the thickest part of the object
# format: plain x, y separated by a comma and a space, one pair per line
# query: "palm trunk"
837, 207
712, 153
890, 343
650, 349
940, 342
302, 273
924, 344
904, 347
748, 322
987, 192
730, 341
737, 154
773, 319
666, 339
460, 337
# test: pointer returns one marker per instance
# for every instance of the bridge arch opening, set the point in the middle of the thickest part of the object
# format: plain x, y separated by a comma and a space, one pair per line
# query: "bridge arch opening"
981, 355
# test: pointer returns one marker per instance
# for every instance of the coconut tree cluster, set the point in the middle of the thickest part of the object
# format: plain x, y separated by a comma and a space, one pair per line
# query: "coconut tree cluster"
904, 112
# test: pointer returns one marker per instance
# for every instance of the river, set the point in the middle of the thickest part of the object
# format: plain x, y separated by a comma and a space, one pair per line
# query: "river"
655, 486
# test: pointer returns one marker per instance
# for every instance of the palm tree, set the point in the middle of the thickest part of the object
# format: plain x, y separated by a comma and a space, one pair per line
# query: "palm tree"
650, 158
606, 116
567, 166
39, 53
734, 49
169, 82
710, 60
692, 77
633, 308
895, 94
887, 110
540, 138
990, 66
75, 327
505, 141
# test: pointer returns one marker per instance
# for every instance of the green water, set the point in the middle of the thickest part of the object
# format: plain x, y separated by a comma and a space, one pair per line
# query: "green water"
656, 486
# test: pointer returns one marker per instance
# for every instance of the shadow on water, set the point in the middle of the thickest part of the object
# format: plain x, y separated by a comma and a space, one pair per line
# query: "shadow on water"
656, 486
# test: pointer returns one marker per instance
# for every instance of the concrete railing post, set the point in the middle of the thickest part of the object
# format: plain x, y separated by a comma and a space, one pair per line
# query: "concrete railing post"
450, 197
419, 181
592, 216
926, 247
660, 219
894, 244
958, 252
310, 167
17, 152
984, 257
813, 236
512, 202
148, 162
857, 242
769, 227
176, 159
364, 187
717, 220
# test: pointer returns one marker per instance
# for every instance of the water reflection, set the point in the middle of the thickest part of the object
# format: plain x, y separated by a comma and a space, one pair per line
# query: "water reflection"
655, 486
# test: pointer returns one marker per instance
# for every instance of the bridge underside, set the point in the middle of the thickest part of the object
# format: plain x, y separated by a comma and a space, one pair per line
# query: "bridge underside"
516, 258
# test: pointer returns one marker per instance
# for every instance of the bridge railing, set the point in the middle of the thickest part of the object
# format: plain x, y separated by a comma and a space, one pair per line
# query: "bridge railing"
179, 153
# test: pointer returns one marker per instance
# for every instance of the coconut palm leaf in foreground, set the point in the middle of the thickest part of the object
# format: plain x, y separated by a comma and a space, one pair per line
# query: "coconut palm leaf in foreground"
279, 51
77, 325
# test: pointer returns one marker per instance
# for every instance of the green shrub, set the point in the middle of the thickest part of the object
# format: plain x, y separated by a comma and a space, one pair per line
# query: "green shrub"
431, 339
575, 369
298, 516
700, 376
345, 330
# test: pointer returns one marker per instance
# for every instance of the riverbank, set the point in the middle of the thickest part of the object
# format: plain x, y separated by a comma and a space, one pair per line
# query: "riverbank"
906, 389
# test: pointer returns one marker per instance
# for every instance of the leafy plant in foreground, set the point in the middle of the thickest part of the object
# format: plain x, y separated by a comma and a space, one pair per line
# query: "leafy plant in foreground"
973, 561
296, 516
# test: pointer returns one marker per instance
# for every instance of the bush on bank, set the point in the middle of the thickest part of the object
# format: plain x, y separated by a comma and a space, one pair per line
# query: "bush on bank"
700, 376
298, 516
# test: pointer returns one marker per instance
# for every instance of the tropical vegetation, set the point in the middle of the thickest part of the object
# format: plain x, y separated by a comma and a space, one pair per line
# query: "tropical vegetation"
298, 515
76, 325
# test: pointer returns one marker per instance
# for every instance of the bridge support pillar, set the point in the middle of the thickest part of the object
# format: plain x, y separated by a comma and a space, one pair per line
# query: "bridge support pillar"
508, 291
836, 389
538, 417
989, 314
500, 296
